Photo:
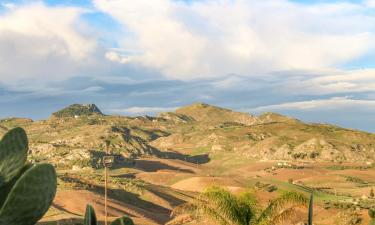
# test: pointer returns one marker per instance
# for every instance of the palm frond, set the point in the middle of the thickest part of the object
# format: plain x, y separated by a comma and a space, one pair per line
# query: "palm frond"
247, 204
186, 208
285, 215
211, 213
208, 205
279, 204
225, 203
222, 206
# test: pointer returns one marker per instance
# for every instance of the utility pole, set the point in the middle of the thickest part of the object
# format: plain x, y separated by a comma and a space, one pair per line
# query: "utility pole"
107, 161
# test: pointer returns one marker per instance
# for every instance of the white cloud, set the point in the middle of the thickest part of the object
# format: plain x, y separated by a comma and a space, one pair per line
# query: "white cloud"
40, 42
334, 103
331, 82
370, 3
116, 57
8, 5
216, 38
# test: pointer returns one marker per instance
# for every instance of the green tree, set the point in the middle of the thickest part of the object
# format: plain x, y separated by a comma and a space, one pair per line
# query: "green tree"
226, 208
372, 193
371, 213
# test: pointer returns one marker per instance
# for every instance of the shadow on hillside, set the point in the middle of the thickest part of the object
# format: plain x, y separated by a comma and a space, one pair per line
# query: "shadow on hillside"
147, 209
154, 166
125, 175
197, 159
172, 200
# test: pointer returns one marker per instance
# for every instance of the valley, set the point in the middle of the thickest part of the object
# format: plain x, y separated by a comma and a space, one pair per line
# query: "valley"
166, 160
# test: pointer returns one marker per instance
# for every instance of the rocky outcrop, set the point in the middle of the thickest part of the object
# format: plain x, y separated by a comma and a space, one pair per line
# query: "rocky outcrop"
77, 110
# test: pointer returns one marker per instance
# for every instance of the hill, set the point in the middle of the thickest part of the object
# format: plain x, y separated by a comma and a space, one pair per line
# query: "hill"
162, 161
212, 114
197, 128
78, 110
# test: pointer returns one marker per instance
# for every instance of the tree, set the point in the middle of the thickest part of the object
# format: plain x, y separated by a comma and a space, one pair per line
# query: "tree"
226, 208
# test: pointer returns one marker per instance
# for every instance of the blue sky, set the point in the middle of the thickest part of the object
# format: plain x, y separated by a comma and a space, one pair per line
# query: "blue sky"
313, 60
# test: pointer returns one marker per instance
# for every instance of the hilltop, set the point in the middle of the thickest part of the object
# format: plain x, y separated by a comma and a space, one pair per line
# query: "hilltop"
78, 110
212, 114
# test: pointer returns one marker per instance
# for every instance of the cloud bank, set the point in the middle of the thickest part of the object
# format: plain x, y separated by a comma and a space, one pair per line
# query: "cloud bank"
205, 39
312, 60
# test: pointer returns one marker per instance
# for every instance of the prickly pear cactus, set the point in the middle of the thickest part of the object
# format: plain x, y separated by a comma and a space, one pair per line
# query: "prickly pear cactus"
13, 154
26, 191
123, 221
90, 217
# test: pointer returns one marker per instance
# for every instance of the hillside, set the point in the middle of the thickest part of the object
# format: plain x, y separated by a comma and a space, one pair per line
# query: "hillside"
212, 114
198, 128
162, 161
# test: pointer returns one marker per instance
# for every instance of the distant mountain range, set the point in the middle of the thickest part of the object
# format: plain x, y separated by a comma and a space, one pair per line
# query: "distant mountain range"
76, 136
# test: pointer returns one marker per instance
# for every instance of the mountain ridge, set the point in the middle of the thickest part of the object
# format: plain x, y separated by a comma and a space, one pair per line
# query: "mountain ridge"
190, 131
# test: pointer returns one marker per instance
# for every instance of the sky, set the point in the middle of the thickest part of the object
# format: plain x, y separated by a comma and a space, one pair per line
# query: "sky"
313, 60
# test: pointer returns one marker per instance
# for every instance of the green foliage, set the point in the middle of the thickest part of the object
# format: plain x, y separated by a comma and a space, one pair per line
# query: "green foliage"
26, 191
372, 195
371, 213
90, 218
345, 167
226, 208
356, 180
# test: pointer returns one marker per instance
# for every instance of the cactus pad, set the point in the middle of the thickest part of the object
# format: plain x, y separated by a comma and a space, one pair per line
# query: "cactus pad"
13, 154
5, 189
123, 221
30, 197
90, 217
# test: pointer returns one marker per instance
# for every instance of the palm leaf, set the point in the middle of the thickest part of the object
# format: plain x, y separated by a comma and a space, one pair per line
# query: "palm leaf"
277, 205
222, 206
247, 206
197, 208
285, 215
224, 203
